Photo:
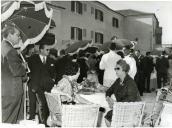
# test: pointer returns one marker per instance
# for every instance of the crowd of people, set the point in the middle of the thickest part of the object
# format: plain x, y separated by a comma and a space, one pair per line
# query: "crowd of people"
125, 73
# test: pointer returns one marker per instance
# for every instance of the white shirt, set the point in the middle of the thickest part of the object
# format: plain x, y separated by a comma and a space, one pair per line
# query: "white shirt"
132, 63
108, 63
42, 58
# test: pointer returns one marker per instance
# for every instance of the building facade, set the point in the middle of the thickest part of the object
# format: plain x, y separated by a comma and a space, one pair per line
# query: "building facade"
92, 20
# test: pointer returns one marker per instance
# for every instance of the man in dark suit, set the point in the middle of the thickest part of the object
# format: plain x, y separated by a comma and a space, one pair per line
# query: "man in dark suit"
13, 70
148, 66
81, 60
162, 66
42, 79
139, 75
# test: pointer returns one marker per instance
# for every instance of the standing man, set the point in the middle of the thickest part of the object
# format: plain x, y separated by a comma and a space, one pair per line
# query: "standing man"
108, 63
147, 69
139, 75
131, 61
162, 66
42, 78
13, 70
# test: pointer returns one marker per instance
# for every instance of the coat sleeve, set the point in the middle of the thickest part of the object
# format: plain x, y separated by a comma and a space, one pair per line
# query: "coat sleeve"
15, 64
110, 91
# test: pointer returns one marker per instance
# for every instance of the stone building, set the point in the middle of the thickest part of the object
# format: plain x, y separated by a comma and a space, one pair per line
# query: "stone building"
92, 20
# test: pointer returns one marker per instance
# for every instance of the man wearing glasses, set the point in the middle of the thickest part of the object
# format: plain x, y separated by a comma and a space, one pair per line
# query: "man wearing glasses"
41, 79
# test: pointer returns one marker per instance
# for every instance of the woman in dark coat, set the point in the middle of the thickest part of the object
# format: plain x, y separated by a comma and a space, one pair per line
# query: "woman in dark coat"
124, 89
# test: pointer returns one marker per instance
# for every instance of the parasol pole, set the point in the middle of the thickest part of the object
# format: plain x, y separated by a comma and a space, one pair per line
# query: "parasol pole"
25, 88
28, 70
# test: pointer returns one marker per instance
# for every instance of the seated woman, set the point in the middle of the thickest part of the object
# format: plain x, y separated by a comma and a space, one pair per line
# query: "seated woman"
124, 89
68, 86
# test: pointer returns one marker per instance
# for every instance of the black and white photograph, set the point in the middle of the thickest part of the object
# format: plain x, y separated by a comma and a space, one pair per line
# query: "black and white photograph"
86, 63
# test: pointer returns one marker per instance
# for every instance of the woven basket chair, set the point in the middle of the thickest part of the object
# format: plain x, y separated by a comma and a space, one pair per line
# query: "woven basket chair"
55, 106
165, 116
79, 115
127, 114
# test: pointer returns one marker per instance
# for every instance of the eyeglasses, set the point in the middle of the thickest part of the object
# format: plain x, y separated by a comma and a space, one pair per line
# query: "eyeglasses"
116, 68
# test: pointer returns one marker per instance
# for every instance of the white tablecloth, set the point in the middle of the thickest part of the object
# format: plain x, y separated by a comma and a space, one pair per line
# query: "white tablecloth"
96, 98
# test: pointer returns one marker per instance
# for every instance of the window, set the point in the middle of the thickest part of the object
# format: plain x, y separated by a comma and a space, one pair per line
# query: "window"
98, 37
84, 33
92, 10
76, 33
115, 22
98, 15
85, 7
76, 6
92, 34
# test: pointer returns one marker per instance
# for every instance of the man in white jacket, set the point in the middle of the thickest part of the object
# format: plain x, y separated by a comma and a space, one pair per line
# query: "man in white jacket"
108, 63
131, 61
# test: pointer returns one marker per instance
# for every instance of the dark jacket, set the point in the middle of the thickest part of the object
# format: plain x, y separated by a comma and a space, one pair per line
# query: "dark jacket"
127, 92
147, 65
42, 75
162, 65
83, 69
12, 71
139, 63
60, 65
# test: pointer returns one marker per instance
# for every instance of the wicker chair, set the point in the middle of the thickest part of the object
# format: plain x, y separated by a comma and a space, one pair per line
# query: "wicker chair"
55, 106
79, 115
165, 117
127, 114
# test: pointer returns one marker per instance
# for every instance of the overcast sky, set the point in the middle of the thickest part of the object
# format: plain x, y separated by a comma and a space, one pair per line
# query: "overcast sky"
162, 9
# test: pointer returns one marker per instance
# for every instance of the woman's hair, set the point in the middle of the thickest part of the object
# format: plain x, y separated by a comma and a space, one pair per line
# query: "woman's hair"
71, 68
124, 65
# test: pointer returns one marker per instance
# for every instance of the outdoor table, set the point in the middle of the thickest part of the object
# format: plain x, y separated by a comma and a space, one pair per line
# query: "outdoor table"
96, 98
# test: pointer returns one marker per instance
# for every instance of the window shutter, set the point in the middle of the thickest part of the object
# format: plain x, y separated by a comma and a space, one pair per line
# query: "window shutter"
85, 7
92, 10
101, 41
84, 32
101, 15
80, 34
117, 23
96, 14
72, 6
95, 37
80, 7
113, 22
72, 33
